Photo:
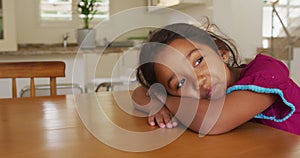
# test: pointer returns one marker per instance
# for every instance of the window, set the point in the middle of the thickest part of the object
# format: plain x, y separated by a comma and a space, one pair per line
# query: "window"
61, 10
289, 12
56, 9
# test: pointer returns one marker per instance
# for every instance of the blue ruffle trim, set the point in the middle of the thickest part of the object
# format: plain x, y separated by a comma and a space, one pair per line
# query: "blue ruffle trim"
258, 89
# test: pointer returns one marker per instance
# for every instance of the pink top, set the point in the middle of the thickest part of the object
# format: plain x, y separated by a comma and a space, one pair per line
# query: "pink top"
268, 75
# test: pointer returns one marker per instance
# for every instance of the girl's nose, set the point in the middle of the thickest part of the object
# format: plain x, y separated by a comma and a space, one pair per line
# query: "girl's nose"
201, 80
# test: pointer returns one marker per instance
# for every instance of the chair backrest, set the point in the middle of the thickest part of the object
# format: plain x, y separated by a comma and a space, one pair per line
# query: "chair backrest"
42, 69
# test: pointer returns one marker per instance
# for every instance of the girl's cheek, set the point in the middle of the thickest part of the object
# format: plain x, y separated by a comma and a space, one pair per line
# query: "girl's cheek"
190, 91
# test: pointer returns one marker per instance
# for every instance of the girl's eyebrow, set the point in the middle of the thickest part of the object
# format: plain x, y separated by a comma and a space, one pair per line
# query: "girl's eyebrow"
192, 51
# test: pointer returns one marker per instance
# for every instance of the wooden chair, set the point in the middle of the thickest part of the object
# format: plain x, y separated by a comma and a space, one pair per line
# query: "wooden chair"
43, 69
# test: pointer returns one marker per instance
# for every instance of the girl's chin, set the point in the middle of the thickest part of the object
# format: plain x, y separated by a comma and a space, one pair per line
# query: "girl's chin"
216, 93
216, 96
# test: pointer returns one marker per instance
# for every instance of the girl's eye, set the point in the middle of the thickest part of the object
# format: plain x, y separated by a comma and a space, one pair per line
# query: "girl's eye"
180, 84
198, 61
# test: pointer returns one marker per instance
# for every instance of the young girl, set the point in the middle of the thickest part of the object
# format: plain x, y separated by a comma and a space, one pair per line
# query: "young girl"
200, 72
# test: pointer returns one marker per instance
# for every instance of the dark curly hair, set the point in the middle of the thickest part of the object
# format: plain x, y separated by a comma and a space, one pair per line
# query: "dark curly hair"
160, 37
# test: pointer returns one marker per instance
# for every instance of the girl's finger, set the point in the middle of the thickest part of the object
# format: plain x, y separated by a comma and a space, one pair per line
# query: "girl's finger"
160, 121
151, 120
167, 120
174, 122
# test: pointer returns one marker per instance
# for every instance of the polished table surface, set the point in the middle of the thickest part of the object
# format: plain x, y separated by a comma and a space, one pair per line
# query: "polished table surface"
61, 127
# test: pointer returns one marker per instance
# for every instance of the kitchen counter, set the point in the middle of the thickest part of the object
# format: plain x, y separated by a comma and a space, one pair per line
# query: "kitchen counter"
82, 65
58, 49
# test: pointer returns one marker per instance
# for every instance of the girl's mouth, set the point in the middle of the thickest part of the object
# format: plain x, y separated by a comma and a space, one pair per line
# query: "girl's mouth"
210, 92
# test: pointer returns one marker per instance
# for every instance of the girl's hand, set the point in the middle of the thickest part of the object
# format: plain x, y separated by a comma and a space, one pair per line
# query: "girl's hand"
154, 106
144, 102
163, 118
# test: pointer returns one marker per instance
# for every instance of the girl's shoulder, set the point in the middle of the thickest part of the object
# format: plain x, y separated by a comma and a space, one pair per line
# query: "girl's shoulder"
266, 66
264, 71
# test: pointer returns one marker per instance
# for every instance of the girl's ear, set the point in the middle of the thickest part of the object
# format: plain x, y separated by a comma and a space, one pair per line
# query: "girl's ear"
224, 54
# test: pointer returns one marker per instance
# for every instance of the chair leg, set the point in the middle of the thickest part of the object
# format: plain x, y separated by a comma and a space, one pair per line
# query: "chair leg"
52, 86
32, 87
14, 88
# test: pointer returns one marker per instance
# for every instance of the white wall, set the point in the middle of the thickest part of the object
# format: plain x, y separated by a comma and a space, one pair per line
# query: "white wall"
239, 19
31, 30
242, 21
190, 14
9, 26
135, 21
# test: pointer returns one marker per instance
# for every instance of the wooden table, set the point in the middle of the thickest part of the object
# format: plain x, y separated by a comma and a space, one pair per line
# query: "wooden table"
51, 127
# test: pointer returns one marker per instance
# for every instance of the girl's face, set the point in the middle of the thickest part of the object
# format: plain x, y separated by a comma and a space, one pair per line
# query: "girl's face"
190, 69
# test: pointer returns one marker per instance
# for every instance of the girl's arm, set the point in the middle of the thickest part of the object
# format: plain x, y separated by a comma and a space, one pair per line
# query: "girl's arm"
141, 99
238, 108
158, 113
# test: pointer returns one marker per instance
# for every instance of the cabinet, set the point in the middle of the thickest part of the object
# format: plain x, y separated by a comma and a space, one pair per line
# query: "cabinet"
176, 4
7, 26
117, 66
112, 64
